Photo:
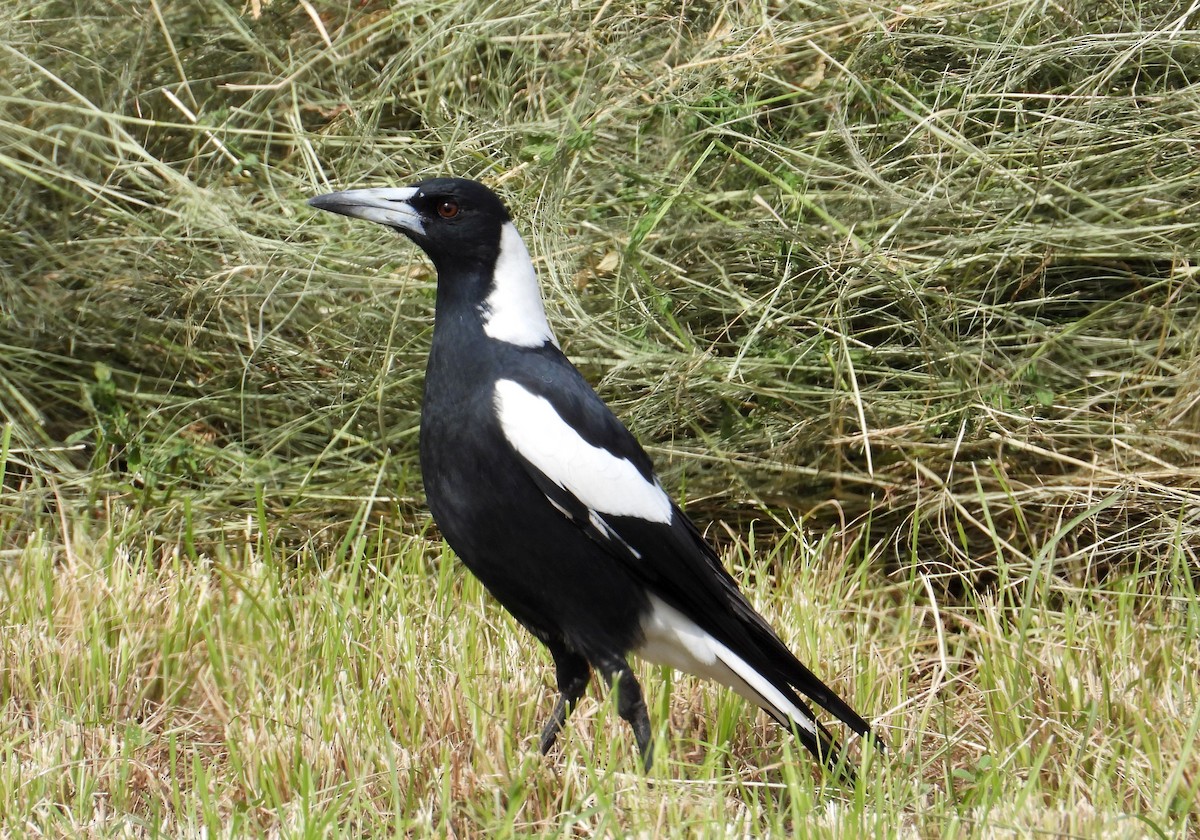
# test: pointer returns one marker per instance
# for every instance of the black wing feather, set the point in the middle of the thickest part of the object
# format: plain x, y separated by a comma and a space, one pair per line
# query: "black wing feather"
674, 560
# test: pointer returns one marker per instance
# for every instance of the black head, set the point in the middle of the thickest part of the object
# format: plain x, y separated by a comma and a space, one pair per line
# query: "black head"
456, 221
484, 269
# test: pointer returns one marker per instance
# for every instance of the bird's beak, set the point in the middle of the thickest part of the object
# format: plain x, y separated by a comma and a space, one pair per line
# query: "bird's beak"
387, 206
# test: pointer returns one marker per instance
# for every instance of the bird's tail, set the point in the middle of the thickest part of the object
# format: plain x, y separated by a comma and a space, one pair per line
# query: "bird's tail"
788, 709
771, 681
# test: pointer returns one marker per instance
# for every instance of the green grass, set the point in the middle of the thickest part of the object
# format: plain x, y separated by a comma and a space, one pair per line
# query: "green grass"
902, 299
376, 690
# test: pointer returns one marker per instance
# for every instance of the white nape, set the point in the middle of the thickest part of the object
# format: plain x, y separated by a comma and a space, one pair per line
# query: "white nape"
605, 483
674, 640
513, 311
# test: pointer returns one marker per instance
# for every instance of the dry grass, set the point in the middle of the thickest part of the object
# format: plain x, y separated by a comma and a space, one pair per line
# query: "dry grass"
159, 692
903, 297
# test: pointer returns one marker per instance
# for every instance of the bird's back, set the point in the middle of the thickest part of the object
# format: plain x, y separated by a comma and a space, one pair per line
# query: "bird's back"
531, 558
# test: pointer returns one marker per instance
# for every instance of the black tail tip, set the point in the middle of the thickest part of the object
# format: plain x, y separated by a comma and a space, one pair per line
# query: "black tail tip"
837, 760
877, 741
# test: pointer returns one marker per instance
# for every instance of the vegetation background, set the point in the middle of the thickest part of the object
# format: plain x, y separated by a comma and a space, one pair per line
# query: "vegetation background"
902, 298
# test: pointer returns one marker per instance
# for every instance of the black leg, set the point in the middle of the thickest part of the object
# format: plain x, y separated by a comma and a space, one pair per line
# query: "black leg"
573, 674
630, 704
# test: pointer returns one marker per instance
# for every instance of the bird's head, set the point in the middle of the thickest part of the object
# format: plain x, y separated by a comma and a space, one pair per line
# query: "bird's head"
454, 220
469, 235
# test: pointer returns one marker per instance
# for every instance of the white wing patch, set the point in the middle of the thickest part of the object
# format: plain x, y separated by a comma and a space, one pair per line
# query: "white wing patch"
513, 311
605, 483
674, 640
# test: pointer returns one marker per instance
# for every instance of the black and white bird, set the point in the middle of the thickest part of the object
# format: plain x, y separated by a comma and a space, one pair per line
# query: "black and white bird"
550, 501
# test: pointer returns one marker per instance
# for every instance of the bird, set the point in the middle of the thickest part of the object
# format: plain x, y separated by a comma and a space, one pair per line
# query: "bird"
550, 501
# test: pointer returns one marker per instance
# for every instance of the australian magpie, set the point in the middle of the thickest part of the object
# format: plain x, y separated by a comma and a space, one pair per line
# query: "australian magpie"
550, 501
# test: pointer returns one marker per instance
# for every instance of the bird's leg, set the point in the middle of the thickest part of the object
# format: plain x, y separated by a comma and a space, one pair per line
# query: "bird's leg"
573, 674
630, 704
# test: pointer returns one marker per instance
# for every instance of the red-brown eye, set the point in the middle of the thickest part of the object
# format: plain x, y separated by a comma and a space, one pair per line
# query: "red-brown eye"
447, 208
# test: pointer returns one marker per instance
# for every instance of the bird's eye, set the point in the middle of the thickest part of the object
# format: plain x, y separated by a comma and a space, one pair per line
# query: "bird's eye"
447, 208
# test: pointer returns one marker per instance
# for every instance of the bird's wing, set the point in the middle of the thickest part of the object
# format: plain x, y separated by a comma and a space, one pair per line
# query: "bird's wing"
594, 472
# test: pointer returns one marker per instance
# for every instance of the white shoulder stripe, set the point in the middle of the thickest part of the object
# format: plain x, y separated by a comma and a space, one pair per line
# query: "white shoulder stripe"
513, 311
600, 480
